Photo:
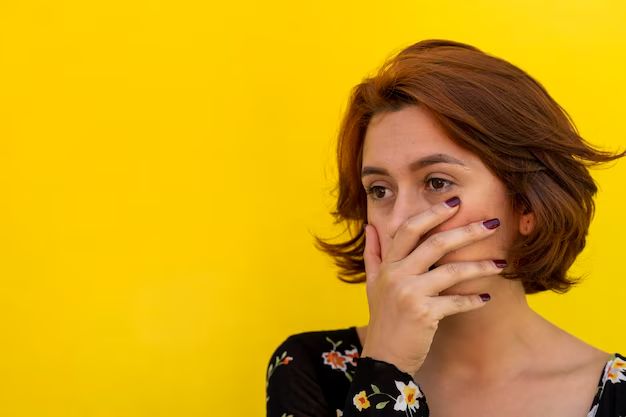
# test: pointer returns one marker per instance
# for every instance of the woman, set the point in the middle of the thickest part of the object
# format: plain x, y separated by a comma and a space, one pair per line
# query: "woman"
473, 188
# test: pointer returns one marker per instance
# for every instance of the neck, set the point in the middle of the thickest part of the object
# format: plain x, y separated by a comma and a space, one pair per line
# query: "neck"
502, 336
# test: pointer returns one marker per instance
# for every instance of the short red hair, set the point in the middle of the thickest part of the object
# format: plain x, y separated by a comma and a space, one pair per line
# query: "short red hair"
504, 116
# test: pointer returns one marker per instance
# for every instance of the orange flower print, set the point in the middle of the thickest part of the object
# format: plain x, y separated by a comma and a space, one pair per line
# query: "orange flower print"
360, 401
339, 361
351, 356
335, 359
286, 360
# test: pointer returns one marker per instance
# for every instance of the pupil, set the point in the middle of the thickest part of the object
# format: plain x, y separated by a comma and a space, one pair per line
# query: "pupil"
437, 182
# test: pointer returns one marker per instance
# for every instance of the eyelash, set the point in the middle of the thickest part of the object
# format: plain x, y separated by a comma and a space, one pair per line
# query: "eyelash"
370, 190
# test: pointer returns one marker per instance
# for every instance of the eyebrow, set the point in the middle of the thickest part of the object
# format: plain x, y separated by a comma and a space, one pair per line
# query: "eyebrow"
425, 161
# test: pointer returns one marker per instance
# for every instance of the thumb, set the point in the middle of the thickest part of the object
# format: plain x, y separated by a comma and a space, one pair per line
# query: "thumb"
371, 253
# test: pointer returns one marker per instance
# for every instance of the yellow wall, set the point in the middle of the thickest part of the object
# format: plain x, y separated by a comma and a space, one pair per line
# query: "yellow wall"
164, 163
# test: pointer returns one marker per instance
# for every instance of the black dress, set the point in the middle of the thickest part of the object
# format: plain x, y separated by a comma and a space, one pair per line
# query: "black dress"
320, 374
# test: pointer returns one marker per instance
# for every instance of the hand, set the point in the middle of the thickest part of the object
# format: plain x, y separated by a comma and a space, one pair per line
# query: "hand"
403, 295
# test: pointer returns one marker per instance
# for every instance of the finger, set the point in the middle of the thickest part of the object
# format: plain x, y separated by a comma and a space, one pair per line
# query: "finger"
437, 245
447, 305
371, 253
411, 231
447, 275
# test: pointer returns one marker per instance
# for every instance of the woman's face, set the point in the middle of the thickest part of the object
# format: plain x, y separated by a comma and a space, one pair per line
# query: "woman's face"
412, 164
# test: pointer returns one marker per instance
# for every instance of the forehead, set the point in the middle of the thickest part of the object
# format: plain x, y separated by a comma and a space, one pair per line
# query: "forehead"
407, 134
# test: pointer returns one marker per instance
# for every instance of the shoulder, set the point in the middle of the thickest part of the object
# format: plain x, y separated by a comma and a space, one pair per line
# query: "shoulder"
612, 393
313, 348
312, 370
321, 339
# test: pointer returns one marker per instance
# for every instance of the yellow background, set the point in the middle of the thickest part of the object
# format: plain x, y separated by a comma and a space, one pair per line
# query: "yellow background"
164, 165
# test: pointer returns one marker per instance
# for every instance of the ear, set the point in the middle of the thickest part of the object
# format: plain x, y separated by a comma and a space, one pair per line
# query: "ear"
527, 223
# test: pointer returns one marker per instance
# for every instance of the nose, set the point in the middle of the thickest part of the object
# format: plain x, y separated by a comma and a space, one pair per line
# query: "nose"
409, 203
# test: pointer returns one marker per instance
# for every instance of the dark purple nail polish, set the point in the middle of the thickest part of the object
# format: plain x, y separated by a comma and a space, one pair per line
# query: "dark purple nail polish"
485, 297
453, 202
491, 223
500, 263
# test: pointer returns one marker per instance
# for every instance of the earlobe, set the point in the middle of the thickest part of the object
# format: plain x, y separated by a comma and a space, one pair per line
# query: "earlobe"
527, 223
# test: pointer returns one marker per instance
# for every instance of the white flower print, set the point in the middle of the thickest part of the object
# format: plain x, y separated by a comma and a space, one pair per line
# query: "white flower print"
616, 370
409, 393
351, 355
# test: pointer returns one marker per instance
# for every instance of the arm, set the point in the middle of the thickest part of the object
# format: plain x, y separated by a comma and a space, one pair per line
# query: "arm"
296, 388
293, 388
381, 389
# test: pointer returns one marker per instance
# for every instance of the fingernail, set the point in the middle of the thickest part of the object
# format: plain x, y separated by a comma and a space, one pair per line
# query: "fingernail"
485, 297
491, 223
453, 202
500, 263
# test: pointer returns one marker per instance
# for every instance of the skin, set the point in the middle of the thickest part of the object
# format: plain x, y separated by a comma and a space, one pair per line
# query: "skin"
498, 358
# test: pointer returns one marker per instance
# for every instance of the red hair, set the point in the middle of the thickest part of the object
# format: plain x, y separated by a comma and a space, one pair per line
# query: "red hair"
504, 116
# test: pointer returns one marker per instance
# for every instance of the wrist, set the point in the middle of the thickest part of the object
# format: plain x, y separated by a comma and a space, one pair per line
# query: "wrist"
405, 366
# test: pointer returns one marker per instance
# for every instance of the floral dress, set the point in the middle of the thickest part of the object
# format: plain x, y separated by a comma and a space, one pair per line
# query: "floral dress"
320, 374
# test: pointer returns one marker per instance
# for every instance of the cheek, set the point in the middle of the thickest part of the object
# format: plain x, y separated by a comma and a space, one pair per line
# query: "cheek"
472, 210
463, 217
475, 213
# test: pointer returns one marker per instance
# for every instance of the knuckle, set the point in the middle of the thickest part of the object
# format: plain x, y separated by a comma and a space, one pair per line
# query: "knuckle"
416, 223
381, 278
491, 266
485, 266
405, 296
413, 305
423, 313
413, 224
436, 242
437, 209
432, 318
432, 326
460, 301
471, 229
403, 291
391, 270
452, 269
407, 224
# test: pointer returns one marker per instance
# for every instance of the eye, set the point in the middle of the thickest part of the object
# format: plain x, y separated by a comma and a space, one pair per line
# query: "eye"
374, 192
439, 184
433, 184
